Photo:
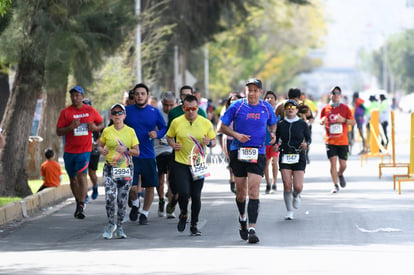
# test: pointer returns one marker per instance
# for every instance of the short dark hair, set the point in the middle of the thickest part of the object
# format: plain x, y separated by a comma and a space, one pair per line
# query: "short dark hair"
49, 153
294, 93
187, 87
131, 94
141, 85
270, 93
190, 98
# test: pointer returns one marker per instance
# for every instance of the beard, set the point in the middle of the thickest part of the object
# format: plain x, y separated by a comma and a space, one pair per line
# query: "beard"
141, 104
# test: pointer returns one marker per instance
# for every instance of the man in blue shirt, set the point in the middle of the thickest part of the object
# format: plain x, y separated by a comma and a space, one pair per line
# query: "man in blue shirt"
149, 124
250, 116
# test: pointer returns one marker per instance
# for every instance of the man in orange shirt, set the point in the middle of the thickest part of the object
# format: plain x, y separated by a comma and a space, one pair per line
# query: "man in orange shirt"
50, 171
336, 117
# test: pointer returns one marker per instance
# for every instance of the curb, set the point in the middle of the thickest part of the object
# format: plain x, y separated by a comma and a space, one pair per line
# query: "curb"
33, 204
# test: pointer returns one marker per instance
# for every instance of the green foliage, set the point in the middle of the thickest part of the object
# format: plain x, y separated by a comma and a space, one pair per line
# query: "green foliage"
398, 54
4, 7
274, 48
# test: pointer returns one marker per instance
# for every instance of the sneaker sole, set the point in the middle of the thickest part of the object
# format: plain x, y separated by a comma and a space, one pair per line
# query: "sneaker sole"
244, 234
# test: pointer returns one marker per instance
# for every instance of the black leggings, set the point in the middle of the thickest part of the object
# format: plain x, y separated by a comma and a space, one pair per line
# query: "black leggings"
188, 188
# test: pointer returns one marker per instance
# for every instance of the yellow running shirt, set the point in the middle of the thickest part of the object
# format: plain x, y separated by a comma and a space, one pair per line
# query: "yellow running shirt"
185, 133
124, 137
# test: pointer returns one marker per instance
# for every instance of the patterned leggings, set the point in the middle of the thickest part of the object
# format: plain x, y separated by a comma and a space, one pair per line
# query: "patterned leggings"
115, 189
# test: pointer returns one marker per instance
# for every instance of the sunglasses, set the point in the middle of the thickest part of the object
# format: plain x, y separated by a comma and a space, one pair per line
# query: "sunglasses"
117, 113
190, 108
336, 93
290, 107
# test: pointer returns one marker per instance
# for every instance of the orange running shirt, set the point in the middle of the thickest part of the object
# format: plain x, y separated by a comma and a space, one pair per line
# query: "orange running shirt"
336, 133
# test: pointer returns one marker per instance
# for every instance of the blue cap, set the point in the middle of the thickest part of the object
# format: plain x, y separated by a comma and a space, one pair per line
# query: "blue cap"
254, 81
78, 89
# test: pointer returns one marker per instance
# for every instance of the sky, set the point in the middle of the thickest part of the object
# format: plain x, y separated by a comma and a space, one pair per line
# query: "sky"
356, 24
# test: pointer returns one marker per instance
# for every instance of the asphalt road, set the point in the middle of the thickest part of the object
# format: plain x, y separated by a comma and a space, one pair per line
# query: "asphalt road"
367, 228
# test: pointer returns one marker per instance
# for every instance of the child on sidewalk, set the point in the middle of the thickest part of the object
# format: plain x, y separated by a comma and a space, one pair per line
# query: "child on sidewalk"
50, 171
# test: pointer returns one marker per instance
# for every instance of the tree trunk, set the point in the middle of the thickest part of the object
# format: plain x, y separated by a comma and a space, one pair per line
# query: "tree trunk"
48, 122
17, 122
4, 92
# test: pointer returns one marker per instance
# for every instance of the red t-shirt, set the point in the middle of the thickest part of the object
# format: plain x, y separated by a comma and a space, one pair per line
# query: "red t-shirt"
336, 133
80, 139
50, 171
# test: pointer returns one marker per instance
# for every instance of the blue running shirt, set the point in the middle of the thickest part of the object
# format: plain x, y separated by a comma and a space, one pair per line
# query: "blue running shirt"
143, 121
250, 120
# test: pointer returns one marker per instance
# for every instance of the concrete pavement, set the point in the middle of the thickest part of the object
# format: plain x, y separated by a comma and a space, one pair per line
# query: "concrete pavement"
367, 228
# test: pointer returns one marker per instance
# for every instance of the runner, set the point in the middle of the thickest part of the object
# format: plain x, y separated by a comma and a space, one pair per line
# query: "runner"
76, 123
188, 135
251, 116
336, 116
118, 144
295, 138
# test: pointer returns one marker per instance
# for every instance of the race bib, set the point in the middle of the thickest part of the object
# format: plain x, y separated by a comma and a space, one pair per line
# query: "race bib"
199, 171
118, 173
335, 128
290, 158
248, 154
81, 130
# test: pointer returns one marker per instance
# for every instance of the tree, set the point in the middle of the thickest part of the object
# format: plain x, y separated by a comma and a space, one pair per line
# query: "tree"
274, 48
21, 105
59, 38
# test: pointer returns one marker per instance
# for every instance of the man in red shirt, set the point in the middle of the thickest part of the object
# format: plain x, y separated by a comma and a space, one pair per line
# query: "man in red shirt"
76, 123
336, 117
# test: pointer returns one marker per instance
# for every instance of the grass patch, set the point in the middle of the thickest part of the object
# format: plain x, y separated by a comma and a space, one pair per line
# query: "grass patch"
6, 200
35, 184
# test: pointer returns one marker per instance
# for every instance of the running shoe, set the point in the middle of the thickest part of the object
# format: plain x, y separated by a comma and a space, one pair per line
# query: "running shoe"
289, 216
170, 211
171, 215
335, 189
109, 230
79, 213
268, 187
252, 236
87, 198
133, 215
194, 231
120, 234
161, 205
274, 187
244, 233
94, 192
296, 202
342, 181
143, 220
181, 223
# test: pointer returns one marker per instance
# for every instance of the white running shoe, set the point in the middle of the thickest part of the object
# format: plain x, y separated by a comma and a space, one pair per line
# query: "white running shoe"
289, 215
120, 234
109, 231
296, 202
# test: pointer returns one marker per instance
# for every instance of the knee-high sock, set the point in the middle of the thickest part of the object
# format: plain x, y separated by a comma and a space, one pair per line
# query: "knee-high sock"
241, 206
287, 196
253, 210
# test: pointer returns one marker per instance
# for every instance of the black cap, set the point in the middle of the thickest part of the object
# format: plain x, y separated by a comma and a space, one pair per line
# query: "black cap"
291, 101
254, 81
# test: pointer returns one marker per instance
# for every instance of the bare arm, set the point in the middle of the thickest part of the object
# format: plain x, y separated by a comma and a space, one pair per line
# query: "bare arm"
230, 132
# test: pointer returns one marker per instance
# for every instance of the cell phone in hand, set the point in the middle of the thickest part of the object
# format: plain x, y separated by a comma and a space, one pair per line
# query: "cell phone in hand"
1, 130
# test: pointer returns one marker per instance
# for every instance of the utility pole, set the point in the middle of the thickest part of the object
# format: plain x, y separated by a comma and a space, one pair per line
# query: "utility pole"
206, 73
138, 41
